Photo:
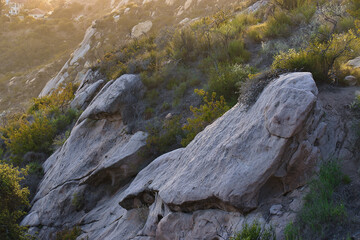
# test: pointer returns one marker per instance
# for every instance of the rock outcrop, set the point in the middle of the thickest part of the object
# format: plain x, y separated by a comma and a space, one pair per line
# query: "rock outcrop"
228, 163
78, 54
98, 157
235, 171
141, 28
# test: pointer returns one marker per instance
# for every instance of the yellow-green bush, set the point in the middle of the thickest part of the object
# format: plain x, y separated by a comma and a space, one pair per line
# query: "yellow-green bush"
238, 52
203, 115
25, 136
225, 80
291, 4
254, 231
68, 234
144, 50
13, 200
354, 8
278, 25
305, 13
59, 99
185, 45
36, 131
322, 59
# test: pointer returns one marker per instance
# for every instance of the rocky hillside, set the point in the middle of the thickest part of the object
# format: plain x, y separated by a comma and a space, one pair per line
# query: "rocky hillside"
190, 119
250, 161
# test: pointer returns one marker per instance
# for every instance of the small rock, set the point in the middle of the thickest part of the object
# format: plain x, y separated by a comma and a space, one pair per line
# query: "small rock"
168, 116
276, 209
141, 28
350, 80
355, 63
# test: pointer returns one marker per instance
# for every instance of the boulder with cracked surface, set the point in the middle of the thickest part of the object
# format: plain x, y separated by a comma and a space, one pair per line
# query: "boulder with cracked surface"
97, 159
115, 99
231, 173
227, 165
83, 97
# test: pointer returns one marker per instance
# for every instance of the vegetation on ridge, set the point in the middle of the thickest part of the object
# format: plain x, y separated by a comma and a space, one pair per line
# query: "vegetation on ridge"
13, 201
195, 72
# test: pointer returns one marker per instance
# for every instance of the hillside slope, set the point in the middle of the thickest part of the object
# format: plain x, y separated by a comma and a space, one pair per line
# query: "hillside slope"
193, 119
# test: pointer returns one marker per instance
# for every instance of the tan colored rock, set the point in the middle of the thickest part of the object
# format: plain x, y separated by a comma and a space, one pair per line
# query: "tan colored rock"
141, 29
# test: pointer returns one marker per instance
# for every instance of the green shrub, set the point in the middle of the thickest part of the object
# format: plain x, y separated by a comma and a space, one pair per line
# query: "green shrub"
254, 34
204, 115
13, 200
226, 79
291, 4
184, 45
292, 232
323, 60
58, 100
163, 137
50, 115
152, 81
319, 208
306, 12
62, 120
345, 24
238, 52
180, 90
78, 201
254, 232
149, 112
114, 72
165, 106
152, 96
35, 168
28, 136
278, 25
354, 8
69, 234
136, 56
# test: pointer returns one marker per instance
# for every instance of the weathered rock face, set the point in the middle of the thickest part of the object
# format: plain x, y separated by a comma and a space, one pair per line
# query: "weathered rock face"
228, 163
98, 157
114, 101
85, 95
247, 158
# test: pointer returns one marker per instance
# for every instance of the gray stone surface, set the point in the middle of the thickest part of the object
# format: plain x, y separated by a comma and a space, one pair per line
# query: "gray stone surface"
114, 98
355, 63
98, 158
228, 163
83, 98
246, 160
350, 80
